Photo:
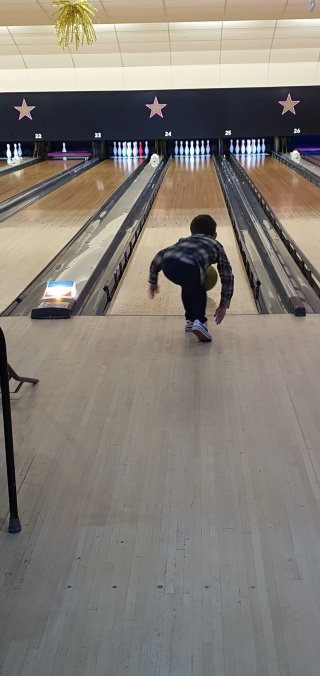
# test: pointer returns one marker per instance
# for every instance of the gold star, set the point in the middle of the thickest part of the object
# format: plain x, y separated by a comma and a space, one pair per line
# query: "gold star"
156, 107
24, 110
288, 105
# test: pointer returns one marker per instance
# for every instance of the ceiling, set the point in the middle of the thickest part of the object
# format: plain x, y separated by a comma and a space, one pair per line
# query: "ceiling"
164, 32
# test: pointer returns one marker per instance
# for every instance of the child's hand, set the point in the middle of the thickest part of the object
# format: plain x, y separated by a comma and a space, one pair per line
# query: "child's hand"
153, 289
220, 314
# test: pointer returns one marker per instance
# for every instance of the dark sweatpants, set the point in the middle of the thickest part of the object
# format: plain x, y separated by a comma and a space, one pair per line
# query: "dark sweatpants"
187, 275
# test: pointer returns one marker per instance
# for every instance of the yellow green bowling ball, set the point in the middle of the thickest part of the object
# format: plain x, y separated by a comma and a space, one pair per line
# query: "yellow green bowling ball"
211, 278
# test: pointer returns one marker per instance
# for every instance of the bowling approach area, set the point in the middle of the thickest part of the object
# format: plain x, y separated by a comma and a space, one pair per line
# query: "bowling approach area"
168, 490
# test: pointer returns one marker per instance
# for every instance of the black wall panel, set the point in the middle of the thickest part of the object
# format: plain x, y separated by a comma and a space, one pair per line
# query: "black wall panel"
197, 113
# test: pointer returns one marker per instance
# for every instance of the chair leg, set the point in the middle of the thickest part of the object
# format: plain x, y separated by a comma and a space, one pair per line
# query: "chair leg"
20, 379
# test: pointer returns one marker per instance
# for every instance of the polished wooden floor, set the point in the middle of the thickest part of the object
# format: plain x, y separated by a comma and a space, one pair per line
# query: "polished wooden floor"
169, 498
31, 238
27, 177
295, 201
4, 163
189, 188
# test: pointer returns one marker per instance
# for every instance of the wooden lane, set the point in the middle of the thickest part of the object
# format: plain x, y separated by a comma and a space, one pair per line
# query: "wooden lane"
295, 201
24, 178
4, 164
169, 499
188, 189
32, 237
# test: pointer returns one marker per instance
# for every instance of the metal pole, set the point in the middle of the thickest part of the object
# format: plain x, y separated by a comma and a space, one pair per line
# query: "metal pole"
14, 521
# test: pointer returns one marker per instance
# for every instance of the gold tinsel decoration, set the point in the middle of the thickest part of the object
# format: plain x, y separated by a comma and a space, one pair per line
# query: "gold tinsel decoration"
74, 22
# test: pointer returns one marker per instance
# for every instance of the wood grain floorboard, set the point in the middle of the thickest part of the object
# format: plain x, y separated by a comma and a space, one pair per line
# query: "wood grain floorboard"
169, 499
27, 177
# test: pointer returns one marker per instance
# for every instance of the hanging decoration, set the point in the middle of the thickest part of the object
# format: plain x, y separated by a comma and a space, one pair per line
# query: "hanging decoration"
74, 22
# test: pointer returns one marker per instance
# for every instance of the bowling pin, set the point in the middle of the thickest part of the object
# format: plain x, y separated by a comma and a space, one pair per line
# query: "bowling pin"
208, 148
15, 150
124, 149
181, 149
258, 146
119, 149
263, 146
191, 149
243, 147
64, 149
176, 148
115, 152
9, 153
19, 150
197, 149
146, 149
253, 146
231, 146
135, 149
140, 151
202, 148
248, 147
186, 149
237, 148
129, 149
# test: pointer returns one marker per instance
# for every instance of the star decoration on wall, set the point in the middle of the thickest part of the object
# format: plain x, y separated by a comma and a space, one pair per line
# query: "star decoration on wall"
156, 107
288, 105
24, 110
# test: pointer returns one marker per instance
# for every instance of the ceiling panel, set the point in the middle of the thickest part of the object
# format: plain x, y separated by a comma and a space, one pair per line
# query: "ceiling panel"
140, 36
49, 61
155, 59
8, 50
144, 47
294, 55
245, 56
96, 60
204, 35
246, 33
97, 48
32, 12
185, 58
162, 32
13, 61
246, 44
190, 45
38, 50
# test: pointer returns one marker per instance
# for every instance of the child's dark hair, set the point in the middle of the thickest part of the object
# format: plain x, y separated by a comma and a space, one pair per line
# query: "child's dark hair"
203, 225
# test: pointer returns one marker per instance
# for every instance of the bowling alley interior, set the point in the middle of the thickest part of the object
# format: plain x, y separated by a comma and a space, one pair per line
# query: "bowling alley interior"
160, 381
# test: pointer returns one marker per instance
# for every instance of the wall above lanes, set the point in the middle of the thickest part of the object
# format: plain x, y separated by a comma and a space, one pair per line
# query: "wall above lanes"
156, 114
251, 69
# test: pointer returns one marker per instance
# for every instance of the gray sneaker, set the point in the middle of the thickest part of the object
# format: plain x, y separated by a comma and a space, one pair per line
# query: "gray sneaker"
201, 331
189, 325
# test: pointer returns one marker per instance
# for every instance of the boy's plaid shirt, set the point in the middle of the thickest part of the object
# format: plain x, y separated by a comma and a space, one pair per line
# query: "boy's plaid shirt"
204, 251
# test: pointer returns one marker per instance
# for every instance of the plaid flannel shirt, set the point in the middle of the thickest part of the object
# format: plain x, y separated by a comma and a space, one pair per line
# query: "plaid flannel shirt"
204, 251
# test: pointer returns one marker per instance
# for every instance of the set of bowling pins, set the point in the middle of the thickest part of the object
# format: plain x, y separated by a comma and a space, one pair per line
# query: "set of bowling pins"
195, 149
129, 149
251, 147
15, 156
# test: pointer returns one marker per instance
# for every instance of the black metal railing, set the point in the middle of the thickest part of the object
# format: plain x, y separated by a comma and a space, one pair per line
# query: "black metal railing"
298, 168
14, 521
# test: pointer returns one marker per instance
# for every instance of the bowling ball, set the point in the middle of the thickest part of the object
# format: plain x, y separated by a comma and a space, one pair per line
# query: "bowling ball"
155, 160
211, 278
